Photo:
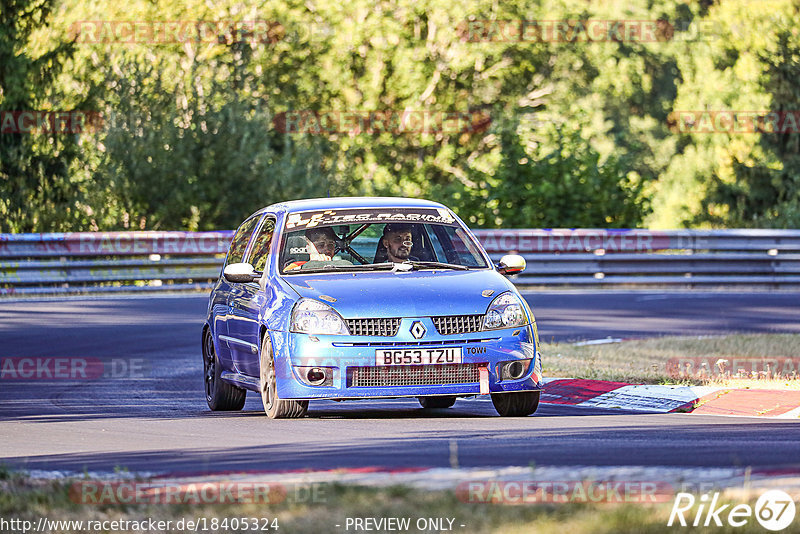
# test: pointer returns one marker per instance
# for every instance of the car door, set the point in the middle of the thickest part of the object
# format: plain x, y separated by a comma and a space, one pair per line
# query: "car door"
222, 293
246, 302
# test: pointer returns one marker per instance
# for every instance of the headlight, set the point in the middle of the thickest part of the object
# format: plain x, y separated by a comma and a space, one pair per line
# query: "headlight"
505, 312
311, 316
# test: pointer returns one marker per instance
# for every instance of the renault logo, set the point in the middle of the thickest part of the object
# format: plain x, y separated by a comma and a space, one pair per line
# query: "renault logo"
417, 330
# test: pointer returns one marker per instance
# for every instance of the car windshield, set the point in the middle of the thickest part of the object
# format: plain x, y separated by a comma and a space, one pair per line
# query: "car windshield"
359, 239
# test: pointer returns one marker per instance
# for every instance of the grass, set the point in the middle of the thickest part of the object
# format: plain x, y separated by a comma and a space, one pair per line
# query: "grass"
29, 500
662, 361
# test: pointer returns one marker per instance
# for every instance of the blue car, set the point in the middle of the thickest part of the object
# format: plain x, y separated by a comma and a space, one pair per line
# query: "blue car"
367, 298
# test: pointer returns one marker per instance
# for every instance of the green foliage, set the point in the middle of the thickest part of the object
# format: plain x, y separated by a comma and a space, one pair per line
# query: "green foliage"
563, 184
737, 179
579, 132
766, 190
39, 189
207, 166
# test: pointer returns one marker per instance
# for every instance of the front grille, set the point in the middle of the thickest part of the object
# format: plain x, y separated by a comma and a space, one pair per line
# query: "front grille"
374, 327
414, 375
457, 324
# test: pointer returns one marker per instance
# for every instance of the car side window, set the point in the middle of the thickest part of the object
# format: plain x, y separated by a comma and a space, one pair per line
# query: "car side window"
438, 249
456, 246
240, 240
260, 253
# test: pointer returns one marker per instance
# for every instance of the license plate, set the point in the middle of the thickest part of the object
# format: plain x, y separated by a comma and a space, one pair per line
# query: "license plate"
417, 356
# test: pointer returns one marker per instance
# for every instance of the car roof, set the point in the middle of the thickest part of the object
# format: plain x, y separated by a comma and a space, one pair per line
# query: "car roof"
349, 202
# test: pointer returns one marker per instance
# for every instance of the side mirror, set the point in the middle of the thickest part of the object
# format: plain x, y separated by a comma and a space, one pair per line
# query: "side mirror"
240, 273
511, 264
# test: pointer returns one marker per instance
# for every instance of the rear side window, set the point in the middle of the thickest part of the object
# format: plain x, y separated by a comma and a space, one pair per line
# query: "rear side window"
260, 253
240, 240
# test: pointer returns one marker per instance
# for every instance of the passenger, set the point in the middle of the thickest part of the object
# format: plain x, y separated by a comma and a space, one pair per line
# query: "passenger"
323, 241
397, 241
321, 245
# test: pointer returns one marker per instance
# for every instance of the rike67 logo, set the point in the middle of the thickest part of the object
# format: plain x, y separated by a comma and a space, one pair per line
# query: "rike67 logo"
774, 510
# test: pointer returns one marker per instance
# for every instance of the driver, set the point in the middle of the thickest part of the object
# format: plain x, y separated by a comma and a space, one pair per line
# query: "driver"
397, 241
321, 246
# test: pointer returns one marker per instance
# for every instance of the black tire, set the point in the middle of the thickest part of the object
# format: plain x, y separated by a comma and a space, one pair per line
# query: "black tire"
220, 395
516, 404
436, 402
275, 407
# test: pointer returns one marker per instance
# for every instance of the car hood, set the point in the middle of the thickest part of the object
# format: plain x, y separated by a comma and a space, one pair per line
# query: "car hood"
403, 294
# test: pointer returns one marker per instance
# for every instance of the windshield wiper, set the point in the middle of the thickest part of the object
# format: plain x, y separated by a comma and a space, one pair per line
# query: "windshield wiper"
339, 268
438, 265
380, 267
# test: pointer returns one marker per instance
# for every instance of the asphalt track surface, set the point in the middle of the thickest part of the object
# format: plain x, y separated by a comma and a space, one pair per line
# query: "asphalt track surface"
156, 421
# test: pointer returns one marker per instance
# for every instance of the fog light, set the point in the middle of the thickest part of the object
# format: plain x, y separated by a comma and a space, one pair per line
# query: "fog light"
515, 370
315, 376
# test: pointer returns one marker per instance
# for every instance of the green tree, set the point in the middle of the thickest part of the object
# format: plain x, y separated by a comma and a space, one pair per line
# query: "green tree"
202, 165
40, 191
579, 132
556, 179
766, 190
748, 61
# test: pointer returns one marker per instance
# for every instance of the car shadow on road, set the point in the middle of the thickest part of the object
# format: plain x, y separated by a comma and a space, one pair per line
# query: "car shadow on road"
311, 445
473, 408
46, 412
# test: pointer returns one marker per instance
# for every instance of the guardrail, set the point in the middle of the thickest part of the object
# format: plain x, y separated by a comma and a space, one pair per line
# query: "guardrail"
689, 258
88, 262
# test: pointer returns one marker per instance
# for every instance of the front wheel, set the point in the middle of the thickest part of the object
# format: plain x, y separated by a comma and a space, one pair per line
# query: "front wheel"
275, 407
220, 395
516, 404
436, 402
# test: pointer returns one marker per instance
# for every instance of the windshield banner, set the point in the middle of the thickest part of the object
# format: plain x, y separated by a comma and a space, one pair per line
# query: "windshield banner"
310, 219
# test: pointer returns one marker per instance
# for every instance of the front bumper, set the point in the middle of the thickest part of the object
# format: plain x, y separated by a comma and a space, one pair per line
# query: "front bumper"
344, 356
